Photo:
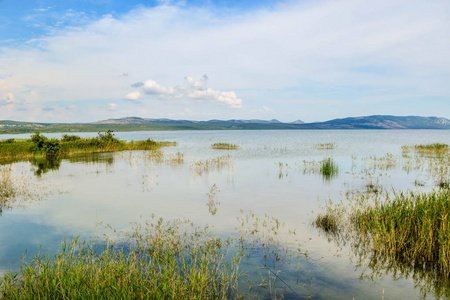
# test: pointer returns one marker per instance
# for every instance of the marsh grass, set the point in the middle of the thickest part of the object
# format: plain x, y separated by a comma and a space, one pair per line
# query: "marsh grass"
16, 189
435, 148
326, 146
68, 145
407, 233
159, 260
225, 146
159, 157
213, 164
329, 169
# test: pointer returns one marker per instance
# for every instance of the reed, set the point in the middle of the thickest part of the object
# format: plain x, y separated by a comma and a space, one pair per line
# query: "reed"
329, 169
436, 148
39, 145
326, 146
411, 229
162, 260
225, 146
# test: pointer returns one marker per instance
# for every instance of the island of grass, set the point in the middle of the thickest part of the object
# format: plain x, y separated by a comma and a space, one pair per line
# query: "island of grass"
435, 148
40, 146
225, 146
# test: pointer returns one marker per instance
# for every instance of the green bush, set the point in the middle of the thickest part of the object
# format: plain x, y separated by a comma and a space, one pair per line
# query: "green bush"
51, 148
70, 138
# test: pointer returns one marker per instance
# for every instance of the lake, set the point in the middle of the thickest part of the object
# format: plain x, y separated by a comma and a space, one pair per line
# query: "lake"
274, 175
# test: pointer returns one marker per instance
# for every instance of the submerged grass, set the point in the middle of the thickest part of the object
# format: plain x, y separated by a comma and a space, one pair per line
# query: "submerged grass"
163, 260
225, 146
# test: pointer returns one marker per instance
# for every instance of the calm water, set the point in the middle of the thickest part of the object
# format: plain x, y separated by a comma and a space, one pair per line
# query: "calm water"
273, 173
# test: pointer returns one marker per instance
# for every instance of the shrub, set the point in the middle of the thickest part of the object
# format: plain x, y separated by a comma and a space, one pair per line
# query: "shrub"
51, 148
70, 138
38, 140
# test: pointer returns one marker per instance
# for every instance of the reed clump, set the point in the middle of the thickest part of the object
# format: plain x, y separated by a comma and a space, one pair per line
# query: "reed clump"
225, 146
436, 148
161, 260
326, 146
329, 169
213, 164
411, 229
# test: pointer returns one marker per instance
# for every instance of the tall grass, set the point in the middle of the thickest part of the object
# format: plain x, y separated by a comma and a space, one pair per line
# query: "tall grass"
407, 233
329, 169
435, 148
163, 260
225, 146
39, 145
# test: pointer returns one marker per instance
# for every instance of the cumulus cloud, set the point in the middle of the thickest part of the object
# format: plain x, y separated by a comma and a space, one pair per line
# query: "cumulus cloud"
291, 57
133, 96
195, 89
112, 106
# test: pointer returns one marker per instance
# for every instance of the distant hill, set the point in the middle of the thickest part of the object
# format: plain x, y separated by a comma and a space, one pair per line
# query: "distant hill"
144, 124
383, 122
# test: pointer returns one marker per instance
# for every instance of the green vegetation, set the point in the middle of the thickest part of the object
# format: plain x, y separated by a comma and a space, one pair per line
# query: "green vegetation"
329, 169
409, 233
39, 145
435, 148
160, 261
225, 146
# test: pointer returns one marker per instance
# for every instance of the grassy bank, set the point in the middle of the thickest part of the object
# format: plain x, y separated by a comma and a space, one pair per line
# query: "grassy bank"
38, 145
159, 261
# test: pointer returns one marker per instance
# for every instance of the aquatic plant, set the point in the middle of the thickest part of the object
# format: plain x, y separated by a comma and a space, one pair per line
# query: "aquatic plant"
157, 261
436, 148
326, 146
39, 145
329, 169
225, 146
212, 164
410, 232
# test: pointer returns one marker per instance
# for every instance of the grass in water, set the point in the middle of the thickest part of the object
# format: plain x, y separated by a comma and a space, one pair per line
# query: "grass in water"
407, 233
326, 146
329, 169
435, 148
41, 146
162, 260
225, 146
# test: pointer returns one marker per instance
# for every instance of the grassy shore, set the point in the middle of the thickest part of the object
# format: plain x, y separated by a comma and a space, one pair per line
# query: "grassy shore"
38, 145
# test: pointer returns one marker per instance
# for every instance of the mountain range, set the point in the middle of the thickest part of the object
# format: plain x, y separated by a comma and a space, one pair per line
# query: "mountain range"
140, 124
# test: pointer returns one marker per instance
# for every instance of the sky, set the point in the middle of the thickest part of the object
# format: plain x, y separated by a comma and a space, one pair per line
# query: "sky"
310, 60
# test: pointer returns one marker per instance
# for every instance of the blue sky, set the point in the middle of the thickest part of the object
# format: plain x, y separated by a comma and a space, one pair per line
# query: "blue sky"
81, 61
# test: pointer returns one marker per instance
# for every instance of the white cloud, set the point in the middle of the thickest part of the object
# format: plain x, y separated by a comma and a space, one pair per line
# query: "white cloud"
194, 90
228, 98
112, 106
288, 48
133, 96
